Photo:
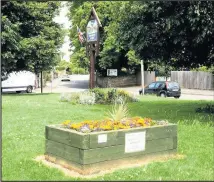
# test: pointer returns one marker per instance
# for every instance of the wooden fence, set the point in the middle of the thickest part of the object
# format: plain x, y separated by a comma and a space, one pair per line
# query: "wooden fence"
149, 76
193, 79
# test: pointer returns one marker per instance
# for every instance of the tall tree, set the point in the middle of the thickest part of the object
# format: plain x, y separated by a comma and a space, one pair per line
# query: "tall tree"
112, 55
30, 38
177, 33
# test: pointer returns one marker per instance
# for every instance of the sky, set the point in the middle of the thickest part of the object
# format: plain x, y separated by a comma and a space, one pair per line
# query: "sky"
63, 19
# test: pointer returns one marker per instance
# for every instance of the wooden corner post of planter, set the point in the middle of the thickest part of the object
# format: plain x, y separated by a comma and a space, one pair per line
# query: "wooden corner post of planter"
92, 42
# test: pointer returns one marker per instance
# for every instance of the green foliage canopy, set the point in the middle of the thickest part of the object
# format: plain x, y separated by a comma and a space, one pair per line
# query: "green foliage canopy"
112, 55
171, 35
177, 33
30, 38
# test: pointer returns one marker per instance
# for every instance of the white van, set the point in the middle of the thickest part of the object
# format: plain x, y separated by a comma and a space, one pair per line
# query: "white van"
19, 81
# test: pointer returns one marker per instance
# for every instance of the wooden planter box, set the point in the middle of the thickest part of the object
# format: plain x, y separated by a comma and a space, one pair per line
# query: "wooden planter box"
82, 152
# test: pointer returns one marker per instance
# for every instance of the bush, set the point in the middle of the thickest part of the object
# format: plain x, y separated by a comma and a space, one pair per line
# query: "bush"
87, 98
107, 96
65, 97
111, 95
115, 94
125, 95
100, 95
75, 96
70, 97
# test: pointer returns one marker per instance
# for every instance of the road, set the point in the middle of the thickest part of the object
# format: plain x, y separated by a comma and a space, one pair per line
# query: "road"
77, 83
80, 83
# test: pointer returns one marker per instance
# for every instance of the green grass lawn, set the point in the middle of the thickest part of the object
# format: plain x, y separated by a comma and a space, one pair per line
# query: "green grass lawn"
23, 126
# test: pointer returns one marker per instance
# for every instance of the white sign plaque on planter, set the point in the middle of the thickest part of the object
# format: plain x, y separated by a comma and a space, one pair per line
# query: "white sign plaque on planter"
102, 138
135, 142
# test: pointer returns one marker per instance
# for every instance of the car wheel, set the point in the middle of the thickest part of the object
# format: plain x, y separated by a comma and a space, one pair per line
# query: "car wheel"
29, 89
177, 97
162, 94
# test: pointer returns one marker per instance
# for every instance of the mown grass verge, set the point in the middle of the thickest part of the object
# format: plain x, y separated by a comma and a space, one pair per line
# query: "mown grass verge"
24, 118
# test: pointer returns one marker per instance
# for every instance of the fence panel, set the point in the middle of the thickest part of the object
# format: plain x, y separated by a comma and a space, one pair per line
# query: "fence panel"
149, 76
193, 79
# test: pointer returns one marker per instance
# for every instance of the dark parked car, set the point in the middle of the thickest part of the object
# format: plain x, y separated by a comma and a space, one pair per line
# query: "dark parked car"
163, 89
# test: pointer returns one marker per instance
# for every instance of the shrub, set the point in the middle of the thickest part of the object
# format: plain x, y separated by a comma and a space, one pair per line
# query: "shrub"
87, 98
111, 95
100, 95
124, 94
119, 99
134, 98
107, 96
114, 94
65, 97
74, 98
70, 97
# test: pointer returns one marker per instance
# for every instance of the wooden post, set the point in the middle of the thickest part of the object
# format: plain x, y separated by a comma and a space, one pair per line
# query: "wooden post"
52, 79
41, 83
142, 77
92, 57
92, 45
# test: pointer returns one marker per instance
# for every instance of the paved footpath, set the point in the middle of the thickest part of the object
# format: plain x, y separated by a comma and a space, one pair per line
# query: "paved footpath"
197, 92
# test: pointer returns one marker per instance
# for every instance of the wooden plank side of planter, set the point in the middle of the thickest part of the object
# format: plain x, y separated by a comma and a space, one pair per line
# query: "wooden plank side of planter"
115, 152
112, 139
63, 150
154, 132
118, 161
67, 137
175, 142
118, 137
105, 165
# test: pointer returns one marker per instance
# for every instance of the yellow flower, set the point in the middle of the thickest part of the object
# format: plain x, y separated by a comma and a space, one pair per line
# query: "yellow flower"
108, 124
87, 122
91, 126
66, 122
116, 128
105, 127
75, 125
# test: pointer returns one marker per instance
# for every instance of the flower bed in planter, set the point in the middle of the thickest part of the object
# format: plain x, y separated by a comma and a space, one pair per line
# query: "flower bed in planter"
94, 148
